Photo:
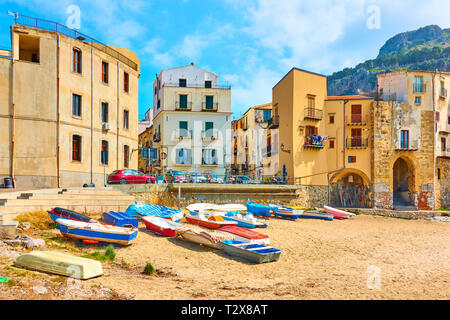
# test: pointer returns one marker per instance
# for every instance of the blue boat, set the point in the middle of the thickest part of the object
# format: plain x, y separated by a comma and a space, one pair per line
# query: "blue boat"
245, 221
142, 209
317, 215
119, 219
258, 209
285, 212
257, 253
96, 232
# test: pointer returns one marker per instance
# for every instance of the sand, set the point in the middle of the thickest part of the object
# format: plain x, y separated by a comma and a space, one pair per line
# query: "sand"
320, 260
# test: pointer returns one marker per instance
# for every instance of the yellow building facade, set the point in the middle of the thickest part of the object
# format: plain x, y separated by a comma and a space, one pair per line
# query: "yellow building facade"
64, 99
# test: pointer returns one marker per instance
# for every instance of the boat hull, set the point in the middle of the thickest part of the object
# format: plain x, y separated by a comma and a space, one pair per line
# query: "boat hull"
258, 209
197, 238
246, 235
208, 223
338, 214
317, 215
252, 252
113, 236
158, 227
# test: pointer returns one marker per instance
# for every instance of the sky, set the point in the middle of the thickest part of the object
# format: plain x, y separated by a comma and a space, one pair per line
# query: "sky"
250, 44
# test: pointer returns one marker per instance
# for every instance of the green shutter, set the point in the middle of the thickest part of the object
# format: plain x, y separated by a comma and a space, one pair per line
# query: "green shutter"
209, 126
183, 125
183, 101
209, 102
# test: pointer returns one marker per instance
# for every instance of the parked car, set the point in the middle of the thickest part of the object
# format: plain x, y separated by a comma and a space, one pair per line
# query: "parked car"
231, 179
244, 180
213, 178
195, 177
160, 179
174, 176
128, 176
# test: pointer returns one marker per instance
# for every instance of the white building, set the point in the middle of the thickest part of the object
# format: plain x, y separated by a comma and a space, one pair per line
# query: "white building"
192, 121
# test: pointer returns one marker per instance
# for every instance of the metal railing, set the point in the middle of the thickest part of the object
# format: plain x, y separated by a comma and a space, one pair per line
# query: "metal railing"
314, 141
61, 29
313, 114
182, 134
357, 142
357, 119
274, 122
188, 85
188, 106
214, 106
211, 134
407, 145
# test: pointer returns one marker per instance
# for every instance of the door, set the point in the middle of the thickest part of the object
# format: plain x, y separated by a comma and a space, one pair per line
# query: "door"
356, 113
356, 137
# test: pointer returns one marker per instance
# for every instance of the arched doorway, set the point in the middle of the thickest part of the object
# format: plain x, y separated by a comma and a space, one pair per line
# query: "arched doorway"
349, 190
402, 183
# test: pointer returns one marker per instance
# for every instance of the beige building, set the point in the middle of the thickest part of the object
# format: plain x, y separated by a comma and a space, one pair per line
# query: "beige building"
361, 151
192, 121
64, 98
255, 144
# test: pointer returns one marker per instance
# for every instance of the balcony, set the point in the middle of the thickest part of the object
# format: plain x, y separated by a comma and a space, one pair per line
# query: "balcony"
419, 88
186, 107
210, 135
357, 120
210, 107
156, 137
444, 153
313, 114
313, 142
357, 143
189, 85
407, 145
181, 134
443, 93
274, 122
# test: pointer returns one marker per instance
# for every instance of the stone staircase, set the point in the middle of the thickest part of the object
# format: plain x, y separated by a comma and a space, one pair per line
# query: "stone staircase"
83, 200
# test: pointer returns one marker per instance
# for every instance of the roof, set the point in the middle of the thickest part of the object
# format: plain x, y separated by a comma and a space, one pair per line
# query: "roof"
350, 97
261, 106
298, 69
189, 65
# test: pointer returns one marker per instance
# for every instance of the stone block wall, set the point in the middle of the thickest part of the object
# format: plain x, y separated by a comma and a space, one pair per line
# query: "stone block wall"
311, 197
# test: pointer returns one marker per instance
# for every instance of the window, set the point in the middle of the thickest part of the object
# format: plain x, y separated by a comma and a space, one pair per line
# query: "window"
331, 119
159, 104
442, 92
351, 159
76, 67
437, 116
76, 105
125, 119
209, 157
104, 152
439, 173
418, 100
104, 114
208, 84
183, 101
209, 128
331, 144
182, 82
418, 86
76, 148
311, 101
356, 113
209, 102
29, 48
184, 156
443, 144
105, 71
448, 120
183, 125
126, 155
404, 139
356, 140
126, 82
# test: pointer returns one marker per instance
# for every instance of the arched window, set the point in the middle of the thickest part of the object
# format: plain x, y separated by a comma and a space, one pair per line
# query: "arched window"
76, 60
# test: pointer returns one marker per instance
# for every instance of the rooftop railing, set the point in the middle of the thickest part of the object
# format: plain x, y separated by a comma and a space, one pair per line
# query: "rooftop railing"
189, 85
61, 29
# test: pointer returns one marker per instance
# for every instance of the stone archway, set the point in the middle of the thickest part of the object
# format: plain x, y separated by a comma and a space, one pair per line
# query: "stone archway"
350, 189
403, 183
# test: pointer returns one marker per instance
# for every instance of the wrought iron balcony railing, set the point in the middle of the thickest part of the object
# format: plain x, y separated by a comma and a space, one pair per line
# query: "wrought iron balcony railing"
407, 145
357, 119
210, 107
314, 141
183, 107
313, 114
156, 137
274, 122
357, 142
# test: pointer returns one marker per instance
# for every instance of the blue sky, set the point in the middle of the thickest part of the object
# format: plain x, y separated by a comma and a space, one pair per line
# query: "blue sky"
251, 44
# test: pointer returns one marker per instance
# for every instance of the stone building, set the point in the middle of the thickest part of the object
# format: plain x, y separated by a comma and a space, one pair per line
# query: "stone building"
65, 98
360, 151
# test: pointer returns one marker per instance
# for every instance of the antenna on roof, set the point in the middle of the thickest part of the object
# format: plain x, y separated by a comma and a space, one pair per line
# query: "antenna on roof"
14, 14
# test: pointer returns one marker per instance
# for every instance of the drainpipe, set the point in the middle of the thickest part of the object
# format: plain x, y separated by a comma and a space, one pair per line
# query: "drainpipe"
58, 147
92, 115
13, 108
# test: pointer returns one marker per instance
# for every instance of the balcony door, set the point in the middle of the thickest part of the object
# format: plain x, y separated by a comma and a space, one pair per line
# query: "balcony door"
404, 139
356, 113
356, 137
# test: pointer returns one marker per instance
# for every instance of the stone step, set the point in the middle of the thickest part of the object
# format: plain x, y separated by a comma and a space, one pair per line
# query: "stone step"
63, 202
92, 191
90, 209
69, 196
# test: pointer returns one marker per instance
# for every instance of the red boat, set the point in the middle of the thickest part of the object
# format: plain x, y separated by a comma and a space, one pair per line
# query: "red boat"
246, 235
164, 227
213, 222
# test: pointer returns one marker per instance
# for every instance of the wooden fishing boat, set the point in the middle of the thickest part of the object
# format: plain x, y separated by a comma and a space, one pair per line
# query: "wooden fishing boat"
58, 213
96, 232
246, 235
280, 211
258, 209
60, 263
208, 221
163, 227
245, 221
316, 215
154, 210
256, 253
119, 219
212, 239
338, 214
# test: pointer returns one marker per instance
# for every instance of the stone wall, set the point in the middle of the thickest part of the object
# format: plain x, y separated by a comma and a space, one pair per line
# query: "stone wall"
311, 197
443, 184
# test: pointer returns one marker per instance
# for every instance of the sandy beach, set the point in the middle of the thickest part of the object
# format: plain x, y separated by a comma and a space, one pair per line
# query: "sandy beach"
320, 260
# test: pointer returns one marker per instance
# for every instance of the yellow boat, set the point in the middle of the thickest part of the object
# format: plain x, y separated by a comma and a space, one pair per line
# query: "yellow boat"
61, 264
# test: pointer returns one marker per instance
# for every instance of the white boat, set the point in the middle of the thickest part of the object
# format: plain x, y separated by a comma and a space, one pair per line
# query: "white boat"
339, 214
230, 207
245, 220
200, 206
